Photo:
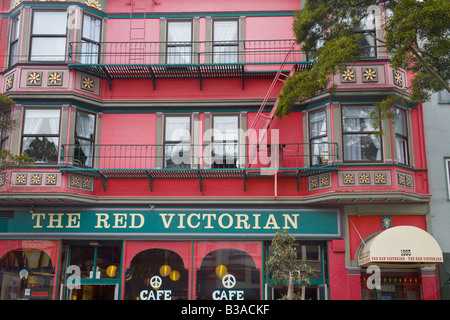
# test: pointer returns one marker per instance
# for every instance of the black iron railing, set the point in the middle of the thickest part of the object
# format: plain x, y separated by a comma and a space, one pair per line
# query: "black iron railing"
183, 53
182, 156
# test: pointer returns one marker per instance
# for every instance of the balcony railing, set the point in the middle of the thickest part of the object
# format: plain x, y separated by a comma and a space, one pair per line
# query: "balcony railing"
196, 59
183, 53
185, 160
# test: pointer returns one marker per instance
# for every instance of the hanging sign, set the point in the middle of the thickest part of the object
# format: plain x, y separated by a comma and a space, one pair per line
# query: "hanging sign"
175, 222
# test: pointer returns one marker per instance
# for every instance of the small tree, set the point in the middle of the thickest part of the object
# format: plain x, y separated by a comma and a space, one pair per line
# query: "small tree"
284, 265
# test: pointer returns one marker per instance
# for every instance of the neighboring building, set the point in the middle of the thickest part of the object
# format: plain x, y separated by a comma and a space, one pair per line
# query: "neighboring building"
435, 117
133, 191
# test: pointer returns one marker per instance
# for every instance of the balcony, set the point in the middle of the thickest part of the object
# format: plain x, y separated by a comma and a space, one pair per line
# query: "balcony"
208, 161
196, 59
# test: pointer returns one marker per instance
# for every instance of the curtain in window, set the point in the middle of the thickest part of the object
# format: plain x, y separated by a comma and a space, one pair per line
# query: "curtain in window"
225, 146
225, 41
91, 32
359, 146
179, 37
85, 129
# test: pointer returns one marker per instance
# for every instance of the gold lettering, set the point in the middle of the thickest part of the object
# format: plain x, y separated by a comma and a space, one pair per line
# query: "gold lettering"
271, 221
209, 216
133, 217
181, 225
242, 219
165, 222
73, 220
102, 218
120, 220
256, 221
58, 220
38, 217
230, 218
293, 222
189, 220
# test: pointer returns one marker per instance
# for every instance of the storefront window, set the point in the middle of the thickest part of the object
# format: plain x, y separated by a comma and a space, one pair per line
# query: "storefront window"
26, 274
228, 274
156, 274
400, 286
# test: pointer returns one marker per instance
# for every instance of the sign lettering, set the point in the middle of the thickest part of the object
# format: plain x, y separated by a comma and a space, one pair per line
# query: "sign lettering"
257, 222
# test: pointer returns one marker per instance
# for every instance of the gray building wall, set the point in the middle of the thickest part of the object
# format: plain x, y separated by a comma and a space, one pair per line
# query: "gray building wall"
436, 114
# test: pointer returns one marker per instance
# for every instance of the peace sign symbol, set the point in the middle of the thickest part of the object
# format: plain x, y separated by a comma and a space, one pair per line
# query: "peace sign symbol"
155, 282
228, 281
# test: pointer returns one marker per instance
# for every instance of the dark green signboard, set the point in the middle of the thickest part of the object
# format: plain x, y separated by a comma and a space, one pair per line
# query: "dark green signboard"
174, 222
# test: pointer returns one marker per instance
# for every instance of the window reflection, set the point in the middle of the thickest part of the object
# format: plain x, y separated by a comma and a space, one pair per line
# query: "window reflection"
156, 274
26, 274
228, 274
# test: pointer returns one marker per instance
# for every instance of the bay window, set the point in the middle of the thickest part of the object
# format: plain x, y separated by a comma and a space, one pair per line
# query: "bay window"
359, 140
48, 36
40, 139
90, 39
84, 139
318, 137
367, 37
401, 136
14, 40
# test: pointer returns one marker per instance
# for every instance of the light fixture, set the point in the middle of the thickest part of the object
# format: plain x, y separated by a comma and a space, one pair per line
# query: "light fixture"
32, 209
152, 206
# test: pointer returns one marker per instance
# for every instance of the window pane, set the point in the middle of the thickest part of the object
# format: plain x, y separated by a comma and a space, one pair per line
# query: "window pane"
178, 129
91, 28
357, 119
179, 55
156, 274
225, 30
225, 128
317, 124
228, 274
41, 149
400, 122
51, 22
41, 121
402, 150
48, 49
319, 151
367, 43
85, 125
108, 261
83, 257
179, 31
15, 27
362, 147
177, 156
14, 53
26, 274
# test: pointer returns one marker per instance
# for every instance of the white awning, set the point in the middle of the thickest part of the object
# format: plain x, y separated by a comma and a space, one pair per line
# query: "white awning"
402, 244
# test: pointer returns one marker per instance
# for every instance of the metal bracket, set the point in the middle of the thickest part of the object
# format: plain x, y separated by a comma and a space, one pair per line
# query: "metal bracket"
150, 180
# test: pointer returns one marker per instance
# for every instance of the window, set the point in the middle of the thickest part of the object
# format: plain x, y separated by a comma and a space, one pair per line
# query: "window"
179, 42
447, 174
14, 40
26, 274
394, 286
156, 274
40, 138
359, 140
84, 139
48, 36
90, 39
224, 151
367, 37
401, 136
318, 137
228, 274
6, 122
177, 142
225, 41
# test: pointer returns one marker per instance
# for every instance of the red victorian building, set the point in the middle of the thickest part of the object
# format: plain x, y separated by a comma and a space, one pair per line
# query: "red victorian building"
160, 172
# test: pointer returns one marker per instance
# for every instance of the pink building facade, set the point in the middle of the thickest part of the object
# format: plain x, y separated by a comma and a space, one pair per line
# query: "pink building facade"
160, 172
